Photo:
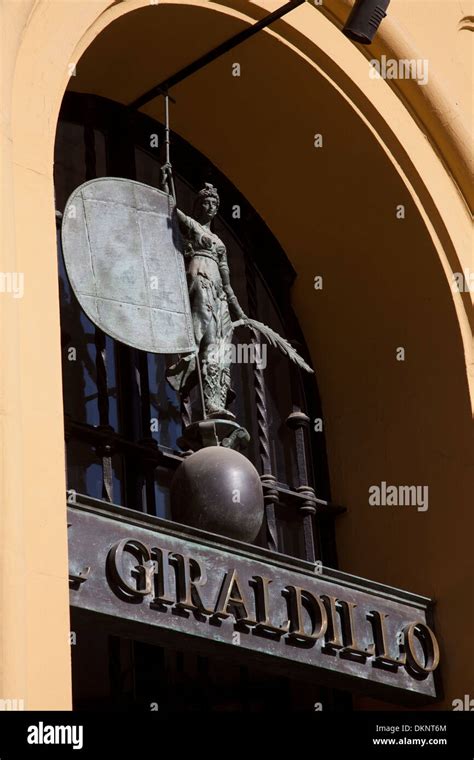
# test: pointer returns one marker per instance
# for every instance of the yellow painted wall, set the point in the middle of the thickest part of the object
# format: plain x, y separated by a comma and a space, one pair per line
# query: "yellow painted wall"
386, 281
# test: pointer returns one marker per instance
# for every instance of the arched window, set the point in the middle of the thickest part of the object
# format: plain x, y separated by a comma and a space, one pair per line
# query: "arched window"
123, 420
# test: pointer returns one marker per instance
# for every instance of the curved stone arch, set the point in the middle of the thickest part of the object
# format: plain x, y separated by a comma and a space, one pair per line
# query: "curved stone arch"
332, 56
40, 78
432, 106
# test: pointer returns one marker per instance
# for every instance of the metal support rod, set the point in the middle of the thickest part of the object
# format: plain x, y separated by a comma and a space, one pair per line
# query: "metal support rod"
167, 129
168, 180
216, 52
201, 389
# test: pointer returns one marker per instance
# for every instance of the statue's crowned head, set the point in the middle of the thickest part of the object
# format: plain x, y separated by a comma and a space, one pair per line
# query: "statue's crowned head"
207, 203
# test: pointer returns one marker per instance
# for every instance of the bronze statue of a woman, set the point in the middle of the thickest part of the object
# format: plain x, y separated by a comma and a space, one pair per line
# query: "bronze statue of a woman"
213, 306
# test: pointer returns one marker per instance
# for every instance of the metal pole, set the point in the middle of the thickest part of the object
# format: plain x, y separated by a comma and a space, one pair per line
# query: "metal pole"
167, 129
224, 47
169, 180
173, 193
201, 389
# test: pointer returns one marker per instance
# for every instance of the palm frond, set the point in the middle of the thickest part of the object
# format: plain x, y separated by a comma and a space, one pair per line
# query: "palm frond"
275, 340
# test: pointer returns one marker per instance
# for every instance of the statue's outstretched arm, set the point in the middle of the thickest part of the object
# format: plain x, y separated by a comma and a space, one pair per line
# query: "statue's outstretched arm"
185, 222
234, 306
241, 319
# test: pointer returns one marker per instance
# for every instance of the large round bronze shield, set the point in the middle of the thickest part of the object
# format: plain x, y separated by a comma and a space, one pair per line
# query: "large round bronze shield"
122, 250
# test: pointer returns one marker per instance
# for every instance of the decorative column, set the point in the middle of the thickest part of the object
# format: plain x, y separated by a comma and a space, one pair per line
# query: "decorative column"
270, 494
299, 422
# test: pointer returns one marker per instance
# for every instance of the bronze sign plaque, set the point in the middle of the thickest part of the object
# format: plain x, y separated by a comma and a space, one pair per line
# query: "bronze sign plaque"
154, 573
